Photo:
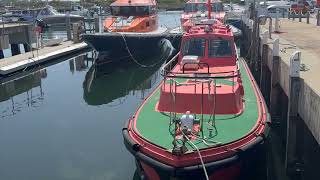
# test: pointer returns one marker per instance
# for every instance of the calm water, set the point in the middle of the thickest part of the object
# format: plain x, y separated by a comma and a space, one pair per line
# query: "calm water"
64, 122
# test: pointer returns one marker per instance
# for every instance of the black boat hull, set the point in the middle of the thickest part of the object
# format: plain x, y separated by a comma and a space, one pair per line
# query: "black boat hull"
118, 47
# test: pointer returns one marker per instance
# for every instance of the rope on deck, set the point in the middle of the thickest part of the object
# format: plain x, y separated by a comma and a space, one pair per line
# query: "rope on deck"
202, 163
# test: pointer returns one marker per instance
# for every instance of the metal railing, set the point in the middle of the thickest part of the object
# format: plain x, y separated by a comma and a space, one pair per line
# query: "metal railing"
202, 79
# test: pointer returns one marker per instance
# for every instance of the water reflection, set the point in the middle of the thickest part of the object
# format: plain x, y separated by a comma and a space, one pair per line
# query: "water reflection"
108, 84
29, 87
82, 62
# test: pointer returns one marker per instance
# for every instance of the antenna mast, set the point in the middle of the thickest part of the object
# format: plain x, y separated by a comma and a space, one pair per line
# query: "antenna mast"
209, 9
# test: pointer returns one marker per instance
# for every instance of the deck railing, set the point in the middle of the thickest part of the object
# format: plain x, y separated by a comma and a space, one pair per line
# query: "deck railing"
196, 79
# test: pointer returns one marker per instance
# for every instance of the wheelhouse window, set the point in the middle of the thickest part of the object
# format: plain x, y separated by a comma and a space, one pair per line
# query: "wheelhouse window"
219, 47
194, 7
194, 47
217, 7
132, 10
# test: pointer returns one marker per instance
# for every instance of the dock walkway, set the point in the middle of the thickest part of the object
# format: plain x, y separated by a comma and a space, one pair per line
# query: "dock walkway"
21, 61
300, 36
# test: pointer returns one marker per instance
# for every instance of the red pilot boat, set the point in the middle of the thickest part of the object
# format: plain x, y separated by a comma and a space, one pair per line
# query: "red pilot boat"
198, 9
207, 119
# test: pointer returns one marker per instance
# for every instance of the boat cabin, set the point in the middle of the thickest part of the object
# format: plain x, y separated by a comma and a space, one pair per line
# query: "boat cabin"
198, 9
207, 66
216, 50
133, 8
132, 16
201, 5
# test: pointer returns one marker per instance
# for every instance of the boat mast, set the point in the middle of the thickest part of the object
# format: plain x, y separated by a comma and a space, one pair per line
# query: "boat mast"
209, 9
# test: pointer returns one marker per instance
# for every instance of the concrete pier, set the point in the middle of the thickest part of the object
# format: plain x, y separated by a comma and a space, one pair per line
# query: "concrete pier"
294, 102
29, 59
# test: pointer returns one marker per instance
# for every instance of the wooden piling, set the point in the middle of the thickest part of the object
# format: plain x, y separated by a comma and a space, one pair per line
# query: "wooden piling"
264, 59
96, 23
274, 79
1, 54
26, 47
15, 49
294, 127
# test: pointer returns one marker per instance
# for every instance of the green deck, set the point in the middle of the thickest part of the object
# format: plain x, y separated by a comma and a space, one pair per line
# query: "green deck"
154, 126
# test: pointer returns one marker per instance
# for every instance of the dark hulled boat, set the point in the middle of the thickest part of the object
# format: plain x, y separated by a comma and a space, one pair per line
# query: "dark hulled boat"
131, 30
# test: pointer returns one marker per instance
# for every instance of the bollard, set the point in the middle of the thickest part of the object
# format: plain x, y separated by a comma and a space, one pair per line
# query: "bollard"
318, 17
300, 16
96, 23
68, 26
308, 17
76, 28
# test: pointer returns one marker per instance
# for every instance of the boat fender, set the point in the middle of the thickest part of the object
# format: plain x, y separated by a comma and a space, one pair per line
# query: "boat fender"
136, 147
133, 145
252, 144
267, 127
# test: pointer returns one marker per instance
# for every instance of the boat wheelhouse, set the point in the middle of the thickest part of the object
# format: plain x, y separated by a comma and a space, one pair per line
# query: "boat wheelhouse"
198, 9
132, 16
207, 118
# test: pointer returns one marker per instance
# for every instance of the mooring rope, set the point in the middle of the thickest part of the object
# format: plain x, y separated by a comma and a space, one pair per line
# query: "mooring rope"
202, 163
135, 60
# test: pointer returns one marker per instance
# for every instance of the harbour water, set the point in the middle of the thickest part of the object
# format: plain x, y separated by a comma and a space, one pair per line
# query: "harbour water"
64, 122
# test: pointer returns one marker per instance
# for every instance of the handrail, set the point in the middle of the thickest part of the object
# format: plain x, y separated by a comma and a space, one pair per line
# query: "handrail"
170, 62
199, 63
196, 75
168, 73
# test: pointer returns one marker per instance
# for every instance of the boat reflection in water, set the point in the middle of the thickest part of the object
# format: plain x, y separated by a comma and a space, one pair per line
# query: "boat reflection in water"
28, 86
107, 84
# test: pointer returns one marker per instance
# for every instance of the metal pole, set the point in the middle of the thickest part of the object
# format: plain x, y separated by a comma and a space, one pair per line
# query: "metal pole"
300, 16
68, 26
96, 23
270, 27
318, 17
308, 17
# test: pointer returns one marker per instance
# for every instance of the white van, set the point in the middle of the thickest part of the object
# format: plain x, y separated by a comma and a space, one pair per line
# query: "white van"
278, 3
278, 10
